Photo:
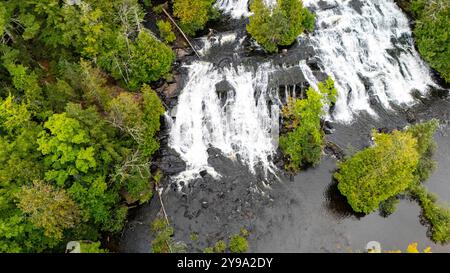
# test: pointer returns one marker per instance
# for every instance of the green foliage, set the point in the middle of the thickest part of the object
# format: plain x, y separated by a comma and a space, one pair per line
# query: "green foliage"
194, 237
219, 247
388, 206
148, 61
153, 110
163, 242
328, 90
238, 244
194, 14
165, 29
91, 247
64, 120
437, 216
303, 145
379, 172
244, 232
432, 33
280, 25
426, 145
49, 208
79, 151
19, 165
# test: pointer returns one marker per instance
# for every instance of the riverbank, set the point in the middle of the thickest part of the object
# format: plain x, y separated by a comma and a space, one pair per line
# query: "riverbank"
304, 213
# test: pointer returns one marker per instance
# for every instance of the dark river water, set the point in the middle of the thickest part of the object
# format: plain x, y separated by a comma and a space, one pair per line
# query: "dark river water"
304, 213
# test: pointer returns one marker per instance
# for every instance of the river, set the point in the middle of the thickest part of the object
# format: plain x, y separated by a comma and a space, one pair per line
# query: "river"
224, 127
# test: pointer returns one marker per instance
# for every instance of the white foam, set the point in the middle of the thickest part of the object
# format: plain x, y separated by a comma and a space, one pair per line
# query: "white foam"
216, 41
244, 125
351, 45
238, 8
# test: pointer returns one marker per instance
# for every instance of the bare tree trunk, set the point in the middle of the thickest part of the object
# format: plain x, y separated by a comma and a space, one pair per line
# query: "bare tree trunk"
165, 215
181, 31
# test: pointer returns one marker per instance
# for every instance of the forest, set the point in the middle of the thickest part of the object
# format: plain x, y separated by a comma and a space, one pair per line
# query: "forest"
80, 117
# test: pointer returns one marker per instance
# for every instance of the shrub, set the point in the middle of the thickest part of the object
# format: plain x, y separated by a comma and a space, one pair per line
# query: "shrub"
150, 60
426, 145
165, 29
388, 206
238, 244
432, 33
437, 216
303, 145
219, 247
93, 247
163, 239
379, 172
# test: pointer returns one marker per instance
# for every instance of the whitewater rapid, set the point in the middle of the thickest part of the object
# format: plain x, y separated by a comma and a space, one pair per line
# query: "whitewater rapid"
369, 52
365, 46
237, 121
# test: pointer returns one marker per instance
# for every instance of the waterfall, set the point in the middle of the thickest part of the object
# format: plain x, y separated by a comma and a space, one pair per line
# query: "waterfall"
241, 120
367, 47
238, 8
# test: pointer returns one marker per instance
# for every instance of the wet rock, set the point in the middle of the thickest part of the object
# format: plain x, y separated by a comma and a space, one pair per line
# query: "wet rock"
357, 5
205, 204
325, 5
410, 117
170, 162
181, 53
384, 130
327, 127
224, 90
327, 131
170, 90
203, 173
334, 149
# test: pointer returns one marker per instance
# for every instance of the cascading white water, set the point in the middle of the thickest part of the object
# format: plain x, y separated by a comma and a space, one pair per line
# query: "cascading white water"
216, 41
369, 51
354, 49
238, 8
241, 125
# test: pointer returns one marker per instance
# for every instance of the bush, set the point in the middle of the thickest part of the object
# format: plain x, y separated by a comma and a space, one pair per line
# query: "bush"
163, 240
279, 26
438, 217
150, 60
388, 206
426, 145
379, 172
238, 244
432, 33
165, 29
219, 247
93, 247
303, 145
194, 14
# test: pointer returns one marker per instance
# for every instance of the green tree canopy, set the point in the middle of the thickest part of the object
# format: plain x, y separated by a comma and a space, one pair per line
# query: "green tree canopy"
432, 33
49, 208
303, 144
379, 172
280, 25
194, 14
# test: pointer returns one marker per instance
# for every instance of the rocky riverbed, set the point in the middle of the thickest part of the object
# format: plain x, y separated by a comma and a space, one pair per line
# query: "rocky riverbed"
284, 213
